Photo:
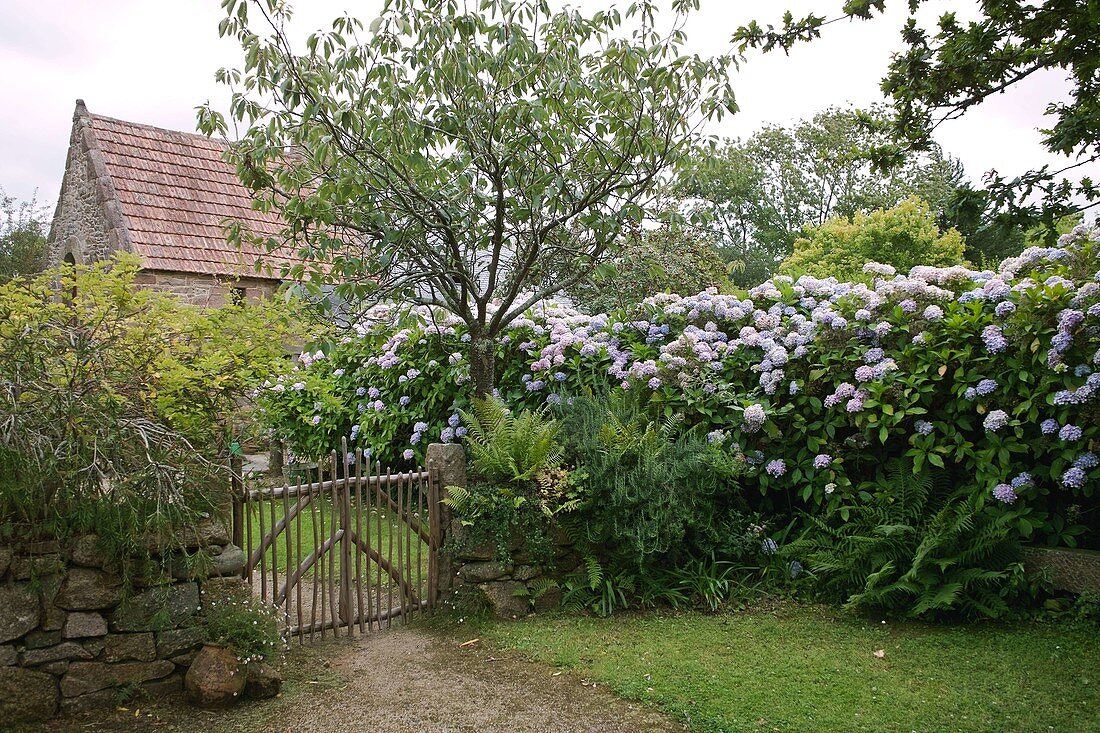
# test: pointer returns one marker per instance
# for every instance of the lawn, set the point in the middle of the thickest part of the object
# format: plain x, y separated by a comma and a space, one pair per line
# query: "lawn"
813, 669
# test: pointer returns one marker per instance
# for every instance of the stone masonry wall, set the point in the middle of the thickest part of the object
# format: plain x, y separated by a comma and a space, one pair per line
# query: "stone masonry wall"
71, 636
82, 227
1077, 571
205, 290
512, 588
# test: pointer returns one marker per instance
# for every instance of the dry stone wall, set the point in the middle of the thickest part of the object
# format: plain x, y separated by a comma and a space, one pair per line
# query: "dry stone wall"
73, 635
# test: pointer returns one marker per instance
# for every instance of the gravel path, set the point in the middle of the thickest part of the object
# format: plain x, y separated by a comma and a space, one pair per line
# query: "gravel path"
405, 680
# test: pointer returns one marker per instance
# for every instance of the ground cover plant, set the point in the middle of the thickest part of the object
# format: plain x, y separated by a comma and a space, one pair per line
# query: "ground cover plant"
800, 668
816, 393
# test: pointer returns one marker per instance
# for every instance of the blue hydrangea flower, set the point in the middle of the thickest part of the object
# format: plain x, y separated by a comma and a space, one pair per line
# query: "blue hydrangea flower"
994, 340
924, 427
986, 387
1049, 426
822, 460
995, 420
776, 467
1004, 493
1024, 479
1070, 432
1074, 477
1087, 461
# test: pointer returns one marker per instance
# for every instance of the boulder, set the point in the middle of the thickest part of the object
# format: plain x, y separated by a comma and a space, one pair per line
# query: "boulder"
85, 677
481, 572
224, 590
5, 560
36, 566
64, 651
157, 608
53, 618
83, 624
86, 589
85, 552
262, 681
122, 647
42, 547
8, 655
215, 679
220, 562
503, 600
526, 572
90, 703
26, 696
173, 642
21, 611
40, 639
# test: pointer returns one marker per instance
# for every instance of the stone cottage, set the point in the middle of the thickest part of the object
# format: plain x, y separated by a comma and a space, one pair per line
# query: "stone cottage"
165, 196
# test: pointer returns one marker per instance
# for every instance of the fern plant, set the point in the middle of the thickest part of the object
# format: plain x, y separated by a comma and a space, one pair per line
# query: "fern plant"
507, 447
916, 545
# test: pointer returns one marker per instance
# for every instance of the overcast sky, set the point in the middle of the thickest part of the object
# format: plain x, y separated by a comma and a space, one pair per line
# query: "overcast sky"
154, 61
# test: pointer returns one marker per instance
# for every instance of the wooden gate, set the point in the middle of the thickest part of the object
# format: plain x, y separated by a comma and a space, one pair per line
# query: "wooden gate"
346, 547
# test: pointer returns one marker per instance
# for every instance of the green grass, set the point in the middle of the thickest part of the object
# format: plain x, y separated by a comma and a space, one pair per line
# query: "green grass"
320, 520
813, 669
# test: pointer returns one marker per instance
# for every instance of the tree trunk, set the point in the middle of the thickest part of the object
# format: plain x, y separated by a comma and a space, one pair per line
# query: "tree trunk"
483, 365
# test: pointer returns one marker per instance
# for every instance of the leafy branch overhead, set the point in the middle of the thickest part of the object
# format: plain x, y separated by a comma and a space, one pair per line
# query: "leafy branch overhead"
443, 157
940, 74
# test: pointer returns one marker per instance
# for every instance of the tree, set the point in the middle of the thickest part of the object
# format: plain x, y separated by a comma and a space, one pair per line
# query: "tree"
939, 75
22, 237
443, 157
756, 195
650, 261
903, 236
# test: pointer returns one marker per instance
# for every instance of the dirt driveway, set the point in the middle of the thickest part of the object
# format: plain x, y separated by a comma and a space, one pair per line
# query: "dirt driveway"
399, 681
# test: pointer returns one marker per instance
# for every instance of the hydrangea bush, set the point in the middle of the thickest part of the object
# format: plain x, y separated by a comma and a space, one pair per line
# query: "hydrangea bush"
992, 375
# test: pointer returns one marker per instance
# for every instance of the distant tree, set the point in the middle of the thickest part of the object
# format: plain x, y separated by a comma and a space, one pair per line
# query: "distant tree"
756, 195
902, 236
444, 156
23, 231
940, 74
668, 259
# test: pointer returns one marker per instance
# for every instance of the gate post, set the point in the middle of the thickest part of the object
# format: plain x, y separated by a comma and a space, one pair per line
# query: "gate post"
236, 488
446, 463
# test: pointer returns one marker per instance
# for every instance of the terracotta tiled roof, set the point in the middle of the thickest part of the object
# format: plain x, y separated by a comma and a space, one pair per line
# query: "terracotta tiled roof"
175, 194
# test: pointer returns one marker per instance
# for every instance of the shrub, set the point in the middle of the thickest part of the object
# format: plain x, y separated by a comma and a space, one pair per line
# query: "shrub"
991, 376
117, 403
903, 236
915, 544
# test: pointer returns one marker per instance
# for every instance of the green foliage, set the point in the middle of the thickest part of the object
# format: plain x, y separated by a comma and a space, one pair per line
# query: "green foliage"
903, 236
23, 230
914, 544
246, 625
756, 195
940, 73
654, 492
518, 485
510, 448
651, 261
838, 378
116, 403
451, 156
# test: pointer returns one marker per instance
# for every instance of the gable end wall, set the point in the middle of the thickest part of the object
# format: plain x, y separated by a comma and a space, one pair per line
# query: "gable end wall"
87, 223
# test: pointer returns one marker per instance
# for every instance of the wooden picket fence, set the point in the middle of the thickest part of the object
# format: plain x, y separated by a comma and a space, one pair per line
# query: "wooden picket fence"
346, 548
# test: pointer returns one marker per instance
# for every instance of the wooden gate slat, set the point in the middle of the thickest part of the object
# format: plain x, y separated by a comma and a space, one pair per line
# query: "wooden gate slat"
344, 549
